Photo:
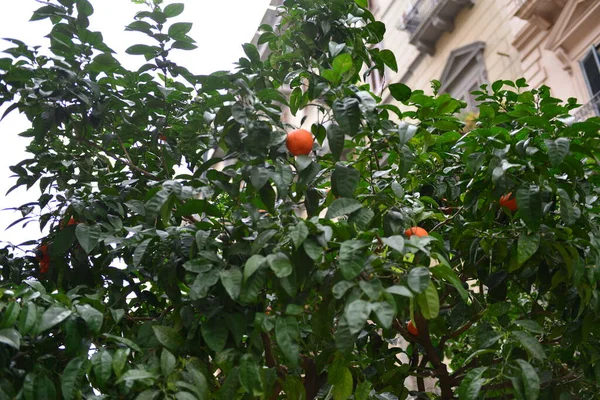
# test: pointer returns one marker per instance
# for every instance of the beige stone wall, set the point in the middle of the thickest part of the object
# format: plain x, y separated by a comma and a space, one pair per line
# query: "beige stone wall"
487, 21
552, 47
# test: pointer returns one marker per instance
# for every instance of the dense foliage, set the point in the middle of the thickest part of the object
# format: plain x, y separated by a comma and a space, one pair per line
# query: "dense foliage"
263, 275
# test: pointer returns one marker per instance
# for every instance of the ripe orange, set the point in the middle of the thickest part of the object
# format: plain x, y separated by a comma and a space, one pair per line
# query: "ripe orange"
299, 141
162, 137
412, 329
509, 202
416, 230
43, 257
72, 221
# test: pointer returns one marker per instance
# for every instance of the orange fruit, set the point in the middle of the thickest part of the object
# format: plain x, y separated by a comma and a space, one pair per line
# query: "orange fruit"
43, 257
299, 141
416, 230
412, 329
72, 221
509, 202
162, 137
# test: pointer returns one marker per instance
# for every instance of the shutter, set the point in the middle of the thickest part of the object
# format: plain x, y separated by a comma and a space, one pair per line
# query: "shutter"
591, 70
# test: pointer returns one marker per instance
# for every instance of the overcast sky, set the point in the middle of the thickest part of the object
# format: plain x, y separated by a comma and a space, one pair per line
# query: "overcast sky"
220, 27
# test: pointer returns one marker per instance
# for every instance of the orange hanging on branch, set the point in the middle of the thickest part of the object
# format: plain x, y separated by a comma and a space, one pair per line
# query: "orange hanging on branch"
299, 141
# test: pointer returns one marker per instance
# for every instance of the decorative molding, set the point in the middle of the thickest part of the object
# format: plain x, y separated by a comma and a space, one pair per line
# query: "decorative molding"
570, 20
458, 60
563, 57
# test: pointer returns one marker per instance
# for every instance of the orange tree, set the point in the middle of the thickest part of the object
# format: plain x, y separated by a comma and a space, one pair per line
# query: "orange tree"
263, 275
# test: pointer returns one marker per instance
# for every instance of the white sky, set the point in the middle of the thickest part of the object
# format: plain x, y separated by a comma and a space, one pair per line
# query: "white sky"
220, 28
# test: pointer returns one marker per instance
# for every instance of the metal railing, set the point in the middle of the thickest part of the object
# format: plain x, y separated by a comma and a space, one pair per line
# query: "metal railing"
589, 110
418, 13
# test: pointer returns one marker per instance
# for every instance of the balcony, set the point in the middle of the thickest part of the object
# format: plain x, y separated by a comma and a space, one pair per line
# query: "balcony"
589, 110
547, 10
426, 20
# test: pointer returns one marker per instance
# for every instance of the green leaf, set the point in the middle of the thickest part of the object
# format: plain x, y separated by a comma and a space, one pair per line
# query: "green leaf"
356, 315
557, 150
287, 333
389, 59
283, 177
150, 394
11, 314
11, 338
173, 10
119, 360
259, 176
342, 390
362, 3
250, 376
531, 380
443, 271
336, 138
530, 344
53, 316
347, 114
394, 242
528, 245
102, 366
341, 207
157, 201
344, 181
342, 63
92, 317
406, 159
142, 49
127, 342
168, 337
399, 290
167, 362
71, 377
429, 302
418, 279
363, 390
400, 92
214, 333
139, 252
232, 282
251, 52
280, 264
384, 313
298, 234
340, 288
529, 200
44, 389
179, 29
471, 384
252, 265
352, 258
568, 213
529, 325
28, 318
136, 375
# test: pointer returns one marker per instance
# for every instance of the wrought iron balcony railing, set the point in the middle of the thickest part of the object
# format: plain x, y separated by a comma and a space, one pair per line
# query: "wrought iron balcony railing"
588, 110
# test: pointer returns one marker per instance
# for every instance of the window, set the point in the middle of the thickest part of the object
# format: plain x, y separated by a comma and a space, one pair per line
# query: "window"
591, 72
464, 73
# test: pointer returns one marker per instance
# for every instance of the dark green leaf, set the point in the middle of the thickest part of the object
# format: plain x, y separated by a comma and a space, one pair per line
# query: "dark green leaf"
10, 337
173, 10
344, 181
168, 337
352, 258
335, 138
214, 333
418, 279
530, 344
429, 302
400, 92
528, 245
287, 334
343, 206
232, 282
529, 201
356, 315
71, 377
531, 380
280, 264
347, 114
53, 316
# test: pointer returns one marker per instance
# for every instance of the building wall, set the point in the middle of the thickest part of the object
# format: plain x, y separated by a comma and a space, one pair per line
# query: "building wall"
551, 45
486, 20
